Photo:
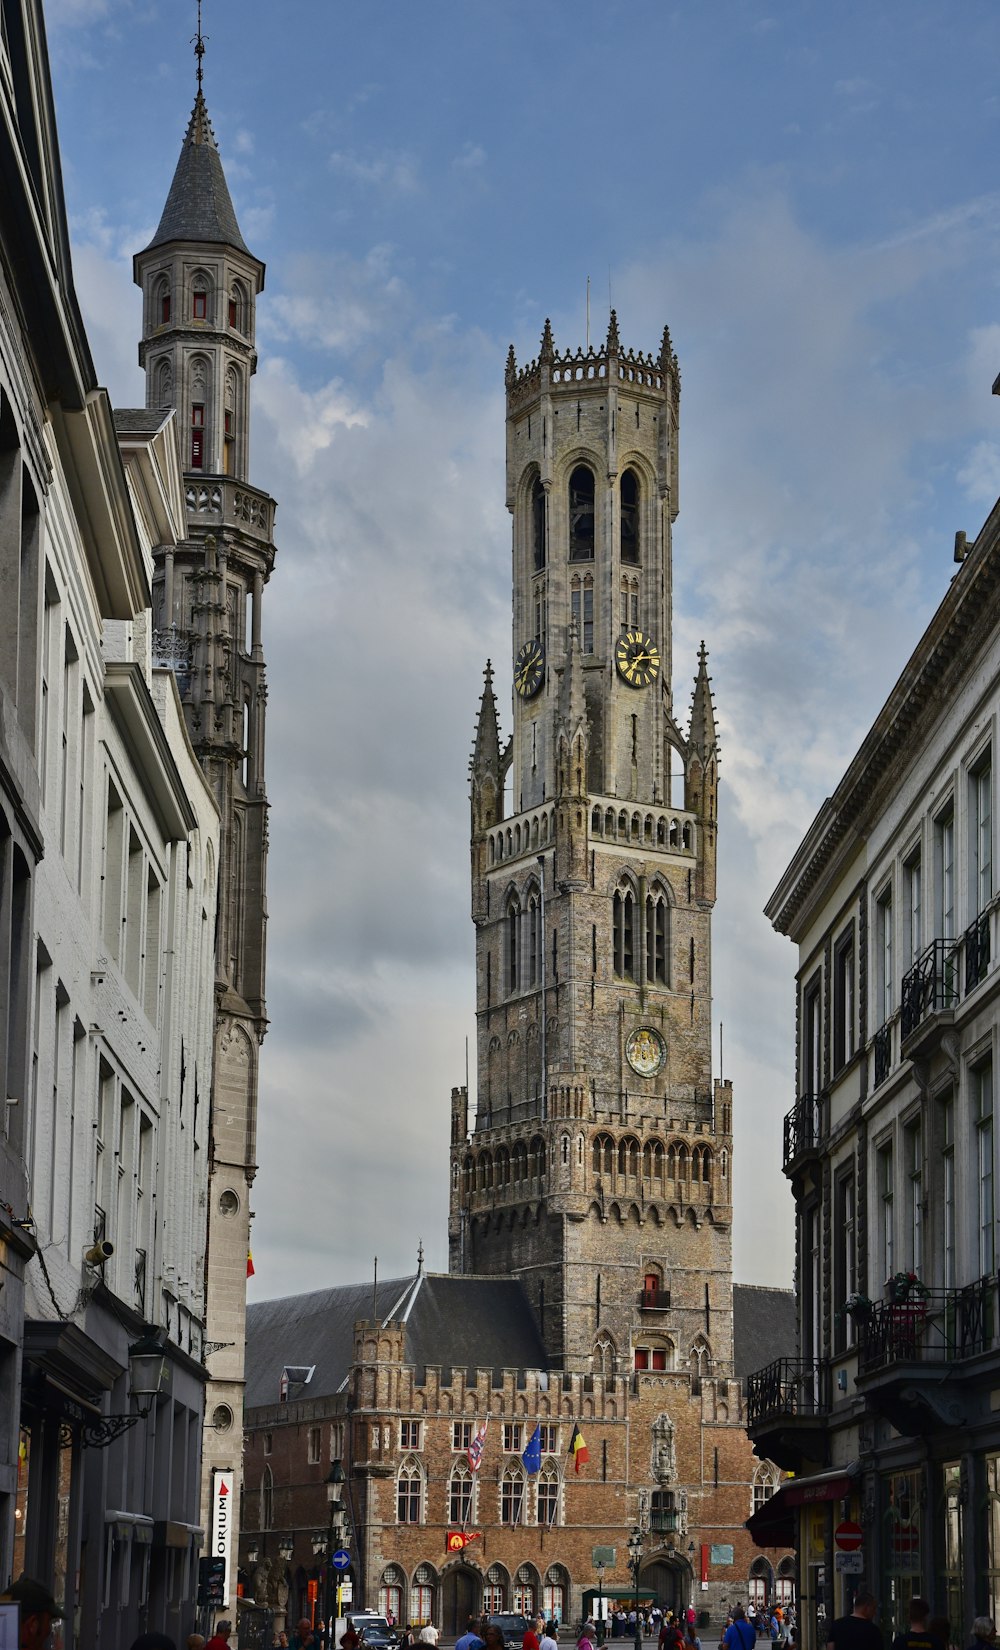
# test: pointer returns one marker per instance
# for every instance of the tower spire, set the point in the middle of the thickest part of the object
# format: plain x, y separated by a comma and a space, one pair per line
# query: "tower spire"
199, 50
704, 731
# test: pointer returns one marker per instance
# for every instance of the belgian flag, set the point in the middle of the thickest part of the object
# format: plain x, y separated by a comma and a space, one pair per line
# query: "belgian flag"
578, 1449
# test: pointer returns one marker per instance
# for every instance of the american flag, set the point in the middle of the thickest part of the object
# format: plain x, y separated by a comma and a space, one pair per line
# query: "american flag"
474, 1453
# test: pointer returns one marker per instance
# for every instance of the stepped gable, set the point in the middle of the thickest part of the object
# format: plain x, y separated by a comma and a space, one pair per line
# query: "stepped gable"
199, 206
318, 1329
763, 1327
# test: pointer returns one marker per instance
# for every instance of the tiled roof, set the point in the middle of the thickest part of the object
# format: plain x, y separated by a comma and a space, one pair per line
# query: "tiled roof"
199, 206
141, 420
764, 1327
452, 1322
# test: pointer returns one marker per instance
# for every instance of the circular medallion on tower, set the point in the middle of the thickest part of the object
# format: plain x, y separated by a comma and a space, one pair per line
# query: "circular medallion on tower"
529, 668
638, 658
645, 1051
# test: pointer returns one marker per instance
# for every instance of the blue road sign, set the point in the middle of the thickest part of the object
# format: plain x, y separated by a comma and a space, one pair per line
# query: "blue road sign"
341, 1559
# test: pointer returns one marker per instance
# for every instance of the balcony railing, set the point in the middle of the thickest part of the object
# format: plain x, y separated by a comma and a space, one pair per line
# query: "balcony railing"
789, 1386
803, 1128
975, 944
930, 985
945, 1327
882, 1044
654, 1300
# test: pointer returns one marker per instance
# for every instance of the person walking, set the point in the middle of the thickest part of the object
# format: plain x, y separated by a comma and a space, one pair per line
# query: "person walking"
548, 1638
919, 1636
739, 1635
858, 1630
428, 1634
470, 1639
220, 1638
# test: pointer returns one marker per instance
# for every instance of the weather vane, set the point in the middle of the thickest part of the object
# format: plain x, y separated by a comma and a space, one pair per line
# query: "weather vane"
199, 47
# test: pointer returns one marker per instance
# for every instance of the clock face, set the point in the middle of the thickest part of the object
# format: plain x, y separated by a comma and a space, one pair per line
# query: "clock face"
529, 669
638, 658
645, 1051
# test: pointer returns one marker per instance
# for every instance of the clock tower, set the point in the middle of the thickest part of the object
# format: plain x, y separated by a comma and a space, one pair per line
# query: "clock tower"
597, 1168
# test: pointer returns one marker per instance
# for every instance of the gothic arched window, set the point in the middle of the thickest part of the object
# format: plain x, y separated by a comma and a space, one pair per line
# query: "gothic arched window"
604, 1148
199, 400
461, 1489
581, 514
513, 944
700, 1364
409, 1486
238, 307
548, 1495
534, 938
229, 422
538, 534
582, 611
161, 302
267, 1499
164, 383
656, 938
629, 491
623, 917
200, 292
512, 1496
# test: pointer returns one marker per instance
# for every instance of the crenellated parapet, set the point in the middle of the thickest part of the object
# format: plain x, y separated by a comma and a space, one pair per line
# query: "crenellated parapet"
569, 370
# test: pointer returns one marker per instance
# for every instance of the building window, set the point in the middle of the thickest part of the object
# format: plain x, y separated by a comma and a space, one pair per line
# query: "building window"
534, 938
267, 1499
653, 1358
845, 1258
548, 1437
914, 915
629, 491
238, 308
512, 1496
623, 919
408, 1491
197, 436
554, 1595
656, 939
421, 1603
462, 1433
409, 1434
981, 830
540, 611
227, 442
885, 1190
982, 1102
581, 515
944, 845
512, 1437
513, 946
313, 1450
843, 1000
812, 1039
913, 1142
582, 611
268, 1443
948, 1189
883, 964
460, 1495
538, 525
161, 302
765, 1482
199, 304
548, 1496
993, 1535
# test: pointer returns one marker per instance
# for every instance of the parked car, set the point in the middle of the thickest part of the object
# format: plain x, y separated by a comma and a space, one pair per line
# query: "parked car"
373, 1630
513, 1629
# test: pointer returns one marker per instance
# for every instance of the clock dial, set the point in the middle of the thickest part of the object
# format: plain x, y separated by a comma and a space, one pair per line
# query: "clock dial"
638, 658
645, 1051
529, 669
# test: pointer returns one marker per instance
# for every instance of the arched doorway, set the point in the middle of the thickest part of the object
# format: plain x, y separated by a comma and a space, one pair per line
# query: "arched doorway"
461, 1597
669, 1577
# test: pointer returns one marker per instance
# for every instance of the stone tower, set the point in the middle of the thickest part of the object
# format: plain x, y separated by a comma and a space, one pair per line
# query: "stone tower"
599, 1166
200, 285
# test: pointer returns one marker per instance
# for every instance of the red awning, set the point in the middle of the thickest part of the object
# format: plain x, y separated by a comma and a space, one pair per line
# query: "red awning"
774, 1524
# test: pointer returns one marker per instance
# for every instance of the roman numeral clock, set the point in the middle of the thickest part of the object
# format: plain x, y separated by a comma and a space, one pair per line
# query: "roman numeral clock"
637, 658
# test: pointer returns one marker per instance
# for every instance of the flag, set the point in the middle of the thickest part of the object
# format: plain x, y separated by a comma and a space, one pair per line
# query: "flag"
578, 1449
249, 1263
532, 1455
455, 1540
474, 1453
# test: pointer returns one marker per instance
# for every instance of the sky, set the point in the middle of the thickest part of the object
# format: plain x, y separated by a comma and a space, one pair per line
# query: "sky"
809, 196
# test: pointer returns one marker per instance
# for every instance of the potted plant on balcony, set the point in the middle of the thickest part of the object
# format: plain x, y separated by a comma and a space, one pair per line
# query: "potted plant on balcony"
905, 1289
858, 1306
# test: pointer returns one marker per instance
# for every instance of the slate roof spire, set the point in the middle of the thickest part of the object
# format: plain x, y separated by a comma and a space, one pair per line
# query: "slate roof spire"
199, 206
704, 730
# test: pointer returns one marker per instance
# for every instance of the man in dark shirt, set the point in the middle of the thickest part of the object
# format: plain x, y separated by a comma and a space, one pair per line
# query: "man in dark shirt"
857, 1631
919, 1636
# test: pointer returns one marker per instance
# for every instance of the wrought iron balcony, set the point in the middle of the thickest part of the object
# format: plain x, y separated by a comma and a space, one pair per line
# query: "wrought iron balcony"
975, 943
803, 1128
882, 1045
654, 1300
943, 1328
930, 986
788, 1403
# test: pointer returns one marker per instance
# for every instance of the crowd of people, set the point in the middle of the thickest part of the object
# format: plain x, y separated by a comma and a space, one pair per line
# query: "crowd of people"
859, 1630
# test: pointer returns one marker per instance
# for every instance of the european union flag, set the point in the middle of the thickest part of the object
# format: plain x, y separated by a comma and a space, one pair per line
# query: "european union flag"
532, 1457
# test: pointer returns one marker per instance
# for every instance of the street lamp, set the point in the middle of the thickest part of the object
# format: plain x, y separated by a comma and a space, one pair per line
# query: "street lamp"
286, 1547
253, 1550
336, 1479
634, 1545
600, 1602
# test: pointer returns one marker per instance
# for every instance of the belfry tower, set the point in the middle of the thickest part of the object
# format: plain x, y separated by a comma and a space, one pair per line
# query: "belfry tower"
200, 285
598, 1169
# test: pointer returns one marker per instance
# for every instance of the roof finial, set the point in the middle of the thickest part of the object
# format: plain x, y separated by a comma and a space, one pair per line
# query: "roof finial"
420, 1258
199, 48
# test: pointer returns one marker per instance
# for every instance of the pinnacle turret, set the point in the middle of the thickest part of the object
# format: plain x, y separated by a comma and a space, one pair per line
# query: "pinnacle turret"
613, 345
199, 206
486, 751
704, 730
548, 349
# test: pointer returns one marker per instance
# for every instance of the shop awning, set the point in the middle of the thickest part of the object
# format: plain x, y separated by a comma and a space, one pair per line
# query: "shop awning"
774, 1524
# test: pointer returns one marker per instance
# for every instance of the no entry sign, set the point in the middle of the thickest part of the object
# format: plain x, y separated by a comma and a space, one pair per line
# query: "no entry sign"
848, 1536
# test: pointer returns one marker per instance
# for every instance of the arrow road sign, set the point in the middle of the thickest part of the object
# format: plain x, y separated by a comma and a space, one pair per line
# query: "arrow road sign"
341, 1559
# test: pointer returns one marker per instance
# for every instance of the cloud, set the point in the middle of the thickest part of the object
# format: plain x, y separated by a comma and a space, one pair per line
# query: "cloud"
471, 159
393, 172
